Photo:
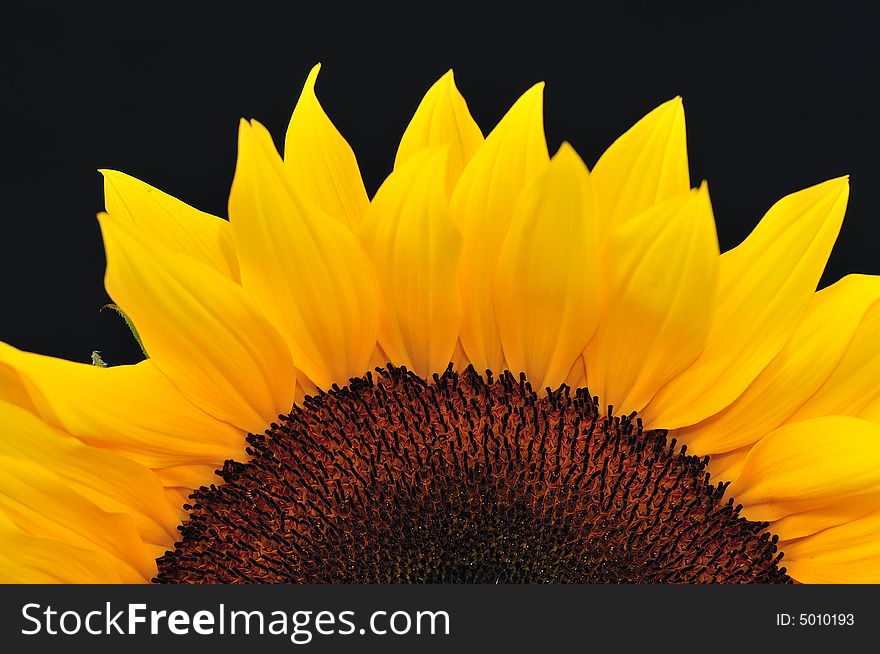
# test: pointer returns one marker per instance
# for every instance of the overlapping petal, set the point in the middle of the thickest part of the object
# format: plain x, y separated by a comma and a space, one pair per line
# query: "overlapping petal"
853, 387
108, 480
810, 467
56, 488
547, 296
177, 225
648, 164
133, 409
26, 559
845, 554
661, 276
482, 206
442, 118
764, 287
201, 330
415, 251
319, 161
832, 329
308, 274
12, 387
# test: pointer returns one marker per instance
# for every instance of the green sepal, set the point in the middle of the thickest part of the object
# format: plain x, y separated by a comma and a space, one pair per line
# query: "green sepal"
131, 327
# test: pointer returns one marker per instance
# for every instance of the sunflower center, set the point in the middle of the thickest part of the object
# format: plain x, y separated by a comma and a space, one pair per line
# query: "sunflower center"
465, 479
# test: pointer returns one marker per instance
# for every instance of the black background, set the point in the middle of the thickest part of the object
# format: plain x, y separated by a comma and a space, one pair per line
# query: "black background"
778, 96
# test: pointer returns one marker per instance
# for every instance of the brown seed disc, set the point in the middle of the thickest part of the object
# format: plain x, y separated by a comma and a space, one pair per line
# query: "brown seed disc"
465, 479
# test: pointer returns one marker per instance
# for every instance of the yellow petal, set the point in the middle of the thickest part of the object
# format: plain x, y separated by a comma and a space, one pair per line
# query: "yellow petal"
177, 225
201, 330
727, 465
482, 205
853, 387
646, 165
871, 411
765, 284
846, 554
814, 520
12, 387
134, 410
177, 496
26, 559
319, 161
442, 118
817, 345
459, 358
308, 274
815, 465
547, 297
577, 376
110, 481
414, 248
661, 272
189, 476
53, 487
42, 505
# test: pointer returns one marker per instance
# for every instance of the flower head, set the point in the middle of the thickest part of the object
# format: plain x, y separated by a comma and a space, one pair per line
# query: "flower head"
571, 382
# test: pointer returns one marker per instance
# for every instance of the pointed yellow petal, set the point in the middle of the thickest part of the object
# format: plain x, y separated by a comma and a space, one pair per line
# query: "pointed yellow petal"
817, 345
814, 520
177, 225
53, 487
26, 559
190, 476
662, 270
577, 376
728, 465
547, 297
201, 330
459, 358
42, 505
764, 287
133, 410
110, 481
308, 274
647, 165
846, 554
319, 161
482, 205
442, 118
414, 248
816, 465
12, 387
853, 387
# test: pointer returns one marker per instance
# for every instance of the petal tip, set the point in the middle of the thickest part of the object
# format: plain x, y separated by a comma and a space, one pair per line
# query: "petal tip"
674, 105
565, 150
843, 180
566, 155
534, 93
836, 188
313, 75
671, 110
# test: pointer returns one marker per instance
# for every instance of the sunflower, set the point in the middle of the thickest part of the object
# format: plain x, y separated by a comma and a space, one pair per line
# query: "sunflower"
502, 367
